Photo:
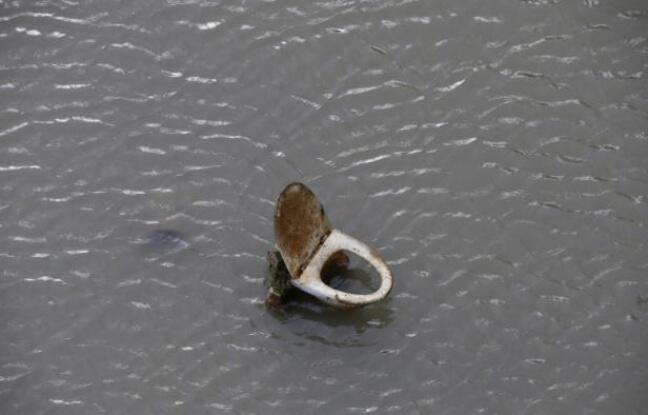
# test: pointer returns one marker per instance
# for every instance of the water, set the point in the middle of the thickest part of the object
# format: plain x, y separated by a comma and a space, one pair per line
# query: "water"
495, 154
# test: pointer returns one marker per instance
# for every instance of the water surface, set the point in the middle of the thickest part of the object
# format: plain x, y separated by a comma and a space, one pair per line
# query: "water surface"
495, 154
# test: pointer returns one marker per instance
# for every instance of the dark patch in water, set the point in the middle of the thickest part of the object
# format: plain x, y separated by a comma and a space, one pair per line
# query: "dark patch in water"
165, 238
163, 242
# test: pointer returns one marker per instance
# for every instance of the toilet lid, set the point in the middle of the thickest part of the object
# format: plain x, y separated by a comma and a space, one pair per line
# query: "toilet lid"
301, 226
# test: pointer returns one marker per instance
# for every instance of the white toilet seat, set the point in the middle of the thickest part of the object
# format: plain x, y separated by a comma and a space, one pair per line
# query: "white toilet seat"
311, 282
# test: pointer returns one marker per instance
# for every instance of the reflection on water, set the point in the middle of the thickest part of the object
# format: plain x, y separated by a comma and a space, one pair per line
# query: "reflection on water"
311, 319
357, 280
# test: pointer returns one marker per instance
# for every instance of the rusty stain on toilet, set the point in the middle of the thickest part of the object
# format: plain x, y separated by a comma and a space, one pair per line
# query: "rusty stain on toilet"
300, 225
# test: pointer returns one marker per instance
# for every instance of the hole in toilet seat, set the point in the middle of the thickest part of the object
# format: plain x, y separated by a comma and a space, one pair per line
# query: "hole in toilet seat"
348, 272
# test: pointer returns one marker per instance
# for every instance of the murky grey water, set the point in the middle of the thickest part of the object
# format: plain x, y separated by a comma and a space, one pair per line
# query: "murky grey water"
494, 152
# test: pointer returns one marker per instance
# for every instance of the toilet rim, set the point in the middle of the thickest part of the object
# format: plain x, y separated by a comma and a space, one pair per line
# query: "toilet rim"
311, 282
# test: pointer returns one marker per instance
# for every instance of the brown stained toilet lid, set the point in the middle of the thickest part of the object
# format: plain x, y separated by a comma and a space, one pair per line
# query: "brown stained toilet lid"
301, 226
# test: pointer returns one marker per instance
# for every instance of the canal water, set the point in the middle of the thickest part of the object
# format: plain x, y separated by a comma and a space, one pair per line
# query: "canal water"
494, 153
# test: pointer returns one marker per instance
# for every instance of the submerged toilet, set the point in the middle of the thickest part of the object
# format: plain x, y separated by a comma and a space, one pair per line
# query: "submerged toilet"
306, 240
